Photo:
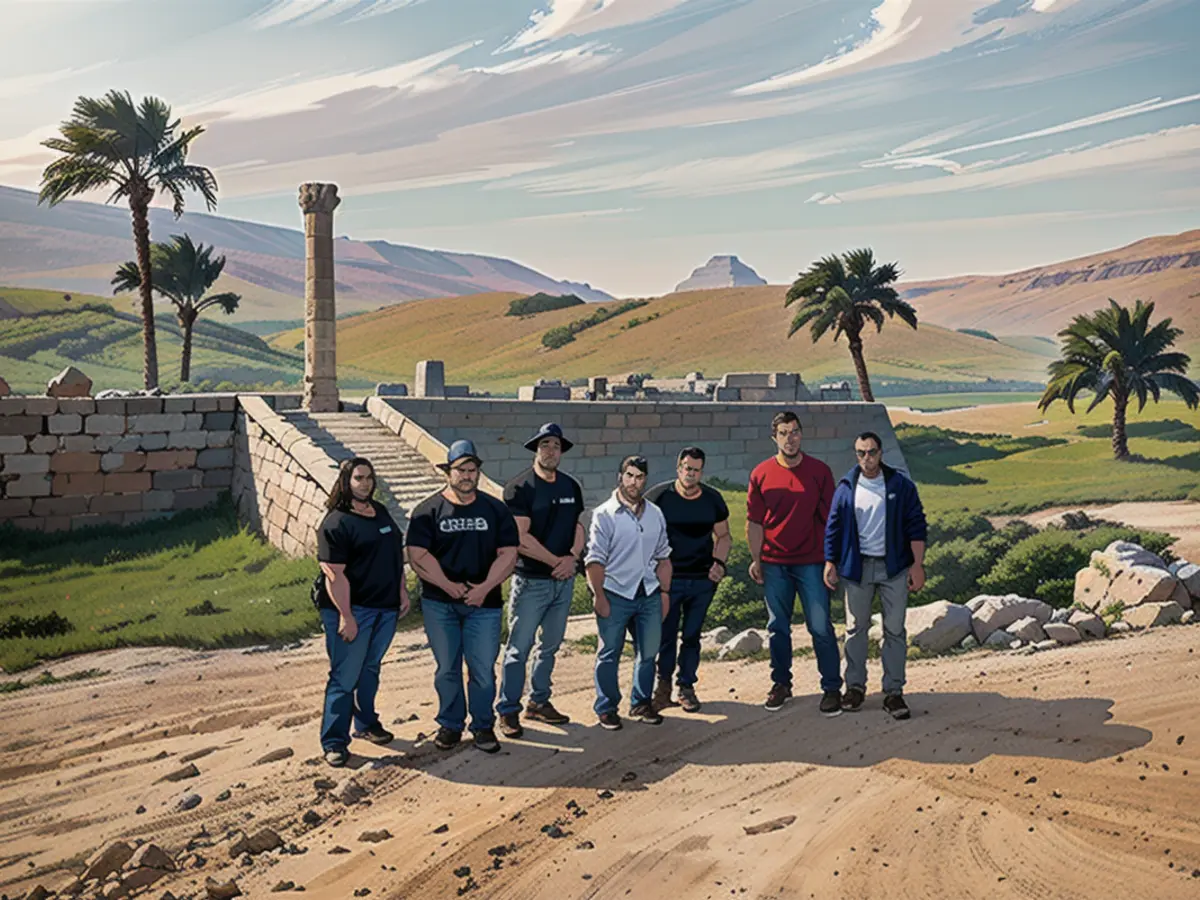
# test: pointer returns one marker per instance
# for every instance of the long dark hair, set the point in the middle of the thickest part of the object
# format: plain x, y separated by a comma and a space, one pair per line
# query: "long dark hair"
341, 495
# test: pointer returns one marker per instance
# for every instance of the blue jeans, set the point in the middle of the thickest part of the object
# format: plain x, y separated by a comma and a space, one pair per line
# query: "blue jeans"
645, 612
782, 583
457, 632
690, 599
354, 672
533, 602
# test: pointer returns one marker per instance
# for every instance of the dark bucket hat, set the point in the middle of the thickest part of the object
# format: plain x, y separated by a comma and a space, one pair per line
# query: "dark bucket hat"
550, 429
460, 449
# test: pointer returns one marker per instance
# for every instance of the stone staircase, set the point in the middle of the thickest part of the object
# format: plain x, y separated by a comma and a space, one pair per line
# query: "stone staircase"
405, 478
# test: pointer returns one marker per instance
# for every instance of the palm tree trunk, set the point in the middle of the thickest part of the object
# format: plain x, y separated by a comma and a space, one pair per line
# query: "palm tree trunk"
139, 204
860, 369
185, 363
1120, 441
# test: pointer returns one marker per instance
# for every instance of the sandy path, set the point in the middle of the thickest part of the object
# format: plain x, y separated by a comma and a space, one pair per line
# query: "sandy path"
1064, 775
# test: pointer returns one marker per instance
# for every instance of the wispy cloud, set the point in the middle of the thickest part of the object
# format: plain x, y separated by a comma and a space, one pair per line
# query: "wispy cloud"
307, 12
20, 86
580, 17
889, 30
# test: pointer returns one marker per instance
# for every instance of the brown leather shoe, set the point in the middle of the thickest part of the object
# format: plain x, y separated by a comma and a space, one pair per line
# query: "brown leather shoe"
510, 726
688, 699
545, 712
662, 695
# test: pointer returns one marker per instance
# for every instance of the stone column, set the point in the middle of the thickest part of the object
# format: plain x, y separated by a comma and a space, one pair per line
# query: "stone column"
318, 202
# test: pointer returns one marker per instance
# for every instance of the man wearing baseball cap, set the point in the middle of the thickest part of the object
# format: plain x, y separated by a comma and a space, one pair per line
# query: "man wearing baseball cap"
546, 504
463, 544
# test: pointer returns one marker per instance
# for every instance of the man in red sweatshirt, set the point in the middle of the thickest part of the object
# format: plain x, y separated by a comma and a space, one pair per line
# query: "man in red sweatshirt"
787, 504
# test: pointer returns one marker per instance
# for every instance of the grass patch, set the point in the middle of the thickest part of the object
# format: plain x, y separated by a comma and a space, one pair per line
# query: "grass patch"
939, 402
198, 580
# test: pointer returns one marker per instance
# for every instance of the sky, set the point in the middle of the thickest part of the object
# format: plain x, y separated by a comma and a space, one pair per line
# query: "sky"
624, 142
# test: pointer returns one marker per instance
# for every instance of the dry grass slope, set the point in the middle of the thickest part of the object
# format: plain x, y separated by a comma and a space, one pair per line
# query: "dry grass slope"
716, 331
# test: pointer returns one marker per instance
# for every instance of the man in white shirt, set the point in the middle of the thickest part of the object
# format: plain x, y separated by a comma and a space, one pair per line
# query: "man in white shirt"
875, 541
629, 572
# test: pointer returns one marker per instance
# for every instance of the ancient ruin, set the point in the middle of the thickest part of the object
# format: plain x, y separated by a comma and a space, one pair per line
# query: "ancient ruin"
318, 201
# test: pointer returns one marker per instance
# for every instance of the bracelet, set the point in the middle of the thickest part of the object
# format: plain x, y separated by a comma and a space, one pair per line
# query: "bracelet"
721, 563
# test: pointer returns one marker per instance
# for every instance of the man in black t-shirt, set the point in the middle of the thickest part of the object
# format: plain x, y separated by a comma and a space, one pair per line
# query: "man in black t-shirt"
463, 544
546, 504
698, 531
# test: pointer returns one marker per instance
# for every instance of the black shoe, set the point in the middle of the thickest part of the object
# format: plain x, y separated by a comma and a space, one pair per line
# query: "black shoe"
446, 738
852, 700
831, 703
895, 706
688, 700
376, 734
611, 721
662, 695
545, 712
485, 740
337, 757
510, 726
646, 714
777, 696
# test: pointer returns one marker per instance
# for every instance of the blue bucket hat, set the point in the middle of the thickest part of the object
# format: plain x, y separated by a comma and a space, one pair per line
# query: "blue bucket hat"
550, 429
460, 449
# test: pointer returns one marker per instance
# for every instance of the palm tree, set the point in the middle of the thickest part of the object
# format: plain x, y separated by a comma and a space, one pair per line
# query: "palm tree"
843, 293
136, 150
1115, 353
182, 272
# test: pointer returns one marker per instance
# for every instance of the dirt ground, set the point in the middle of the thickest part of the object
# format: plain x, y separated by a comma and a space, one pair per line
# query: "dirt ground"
1064, 774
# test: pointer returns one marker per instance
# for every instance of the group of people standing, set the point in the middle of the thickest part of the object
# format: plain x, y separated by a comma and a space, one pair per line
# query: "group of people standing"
652, 559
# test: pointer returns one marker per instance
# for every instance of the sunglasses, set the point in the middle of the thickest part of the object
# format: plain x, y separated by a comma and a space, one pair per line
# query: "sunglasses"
861, 454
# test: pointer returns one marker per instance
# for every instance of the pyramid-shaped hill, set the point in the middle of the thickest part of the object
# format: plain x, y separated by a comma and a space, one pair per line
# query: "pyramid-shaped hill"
721, 272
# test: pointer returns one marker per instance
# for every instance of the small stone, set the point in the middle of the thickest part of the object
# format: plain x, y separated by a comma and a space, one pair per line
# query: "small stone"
362, 892
151, 856
189, 801
275, 756
771, 825
188, 771
261, 841
604, 794
283, 886
339, 849
139, 811
224, 795
462, 871
311, 818
441, 829
629, 776
585, 845
221, 890
351, 792
375, 837
324, 784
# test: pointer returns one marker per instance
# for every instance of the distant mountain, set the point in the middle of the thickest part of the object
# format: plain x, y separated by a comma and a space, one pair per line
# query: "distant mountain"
75, 247
721, 272
1041, 301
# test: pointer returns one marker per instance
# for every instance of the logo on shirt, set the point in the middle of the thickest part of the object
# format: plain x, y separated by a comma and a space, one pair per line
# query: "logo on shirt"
386, 529
450, 526
561, 500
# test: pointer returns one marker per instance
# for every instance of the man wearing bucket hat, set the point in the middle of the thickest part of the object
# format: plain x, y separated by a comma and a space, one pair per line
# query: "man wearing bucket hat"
462, 544
546, 504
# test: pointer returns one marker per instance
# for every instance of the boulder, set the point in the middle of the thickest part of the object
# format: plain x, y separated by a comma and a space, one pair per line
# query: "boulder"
999, 638
1001, 612
1027, 629
744, 644
968, 643
1060, 615
104, 862
1119, 627
1062, 632
1121, 554
975, 602
1091, 587
875, 632
716, 637
138, 879
151, 856
1087, 624
5, 390
1151, 615
261, 841
937, 627
221, 890
1188, 575
1138, 584
70, 382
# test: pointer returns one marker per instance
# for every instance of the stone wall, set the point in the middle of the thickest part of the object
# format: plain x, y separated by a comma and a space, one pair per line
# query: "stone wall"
72, 463
281, 479
735, 436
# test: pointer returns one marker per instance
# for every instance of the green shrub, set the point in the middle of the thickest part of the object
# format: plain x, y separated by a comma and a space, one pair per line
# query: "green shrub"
541, 302
738, 603
957, 524
558, 336
1058, 592
979, 333
1055, 555
564, 334
954, 569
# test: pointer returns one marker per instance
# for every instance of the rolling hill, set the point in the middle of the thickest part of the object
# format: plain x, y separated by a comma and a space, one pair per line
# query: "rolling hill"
1041, 301
715, 331
76, 246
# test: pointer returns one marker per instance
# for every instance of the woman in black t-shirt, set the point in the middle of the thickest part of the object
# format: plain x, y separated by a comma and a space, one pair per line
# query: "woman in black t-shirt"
361, 552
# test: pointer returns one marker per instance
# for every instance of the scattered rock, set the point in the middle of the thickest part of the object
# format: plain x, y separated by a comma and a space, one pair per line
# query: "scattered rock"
441, 829
772, 825
221, 890
716, 637
188, 771
106, 861
1048, 644
937, 627
585, 845
604, 794
374, 837
275, 756
1189, 575
968, 643
1027, 629
350, 792
1122, 554
1087, 624
139, 811
5, 390
362, 892
189, 801
70, 382
283, 886
334, 851
1119, 627
1002, 611
1062, 632
744, 644
151, 856
141, 878
1188, 617
999, 638
39, 892
311, 818
1091, 585
224, 795
462, 872
1060, 616
261, 841
324, 784
629, 776
1136, 585
1152, 615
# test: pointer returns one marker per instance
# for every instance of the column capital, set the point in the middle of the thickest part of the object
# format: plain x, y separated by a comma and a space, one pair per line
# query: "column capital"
317, 197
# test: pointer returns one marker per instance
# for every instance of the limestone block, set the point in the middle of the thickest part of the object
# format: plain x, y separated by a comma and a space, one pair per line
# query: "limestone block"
179, 404
194, 440
1152, 615
1137, 584
127, 482
147, 423
104, 424
1001, 611
1062, 632
1091, 587
70, 382
1087, 624
41, 406
937, 627
178, 480
43, 443
24, 464
73, 484
76, 443
1027, 629
26, 425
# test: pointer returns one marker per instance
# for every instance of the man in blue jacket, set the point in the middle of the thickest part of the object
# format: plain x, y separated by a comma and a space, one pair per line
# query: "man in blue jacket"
875, 540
